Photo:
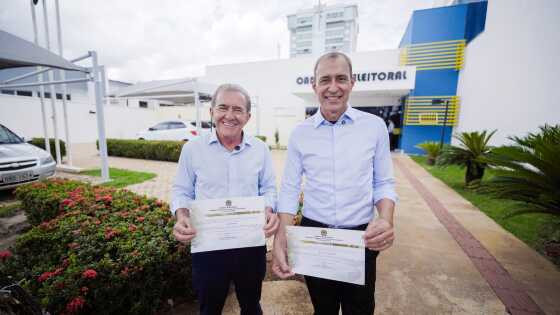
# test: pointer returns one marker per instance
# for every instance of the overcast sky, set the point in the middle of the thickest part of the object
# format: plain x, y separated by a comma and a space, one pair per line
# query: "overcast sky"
142, 40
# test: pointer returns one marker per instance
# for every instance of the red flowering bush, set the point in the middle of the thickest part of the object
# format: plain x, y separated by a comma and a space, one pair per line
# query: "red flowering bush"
104, 251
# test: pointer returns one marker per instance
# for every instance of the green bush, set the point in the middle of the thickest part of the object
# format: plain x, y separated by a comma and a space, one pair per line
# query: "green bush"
40, 142
145, 149
107, 252
432, 149
263, 138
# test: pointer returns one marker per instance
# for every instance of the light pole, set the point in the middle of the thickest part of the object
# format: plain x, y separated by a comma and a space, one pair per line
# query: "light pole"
444, 123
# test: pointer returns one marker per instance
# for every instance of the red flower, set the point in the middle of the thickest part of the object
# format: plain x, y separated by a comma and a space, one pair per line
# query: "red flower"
132, 228
5, 254
84, 290
59, 285
45, 276
75, 305
158, 203
110, 233
124, 272
89, 274
65, 262
140, 219
67, 202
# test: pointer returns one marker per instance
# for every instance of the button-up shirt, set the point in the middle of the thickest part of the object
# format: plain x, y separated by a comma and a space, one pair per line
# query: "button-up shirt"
207, 170
347, 167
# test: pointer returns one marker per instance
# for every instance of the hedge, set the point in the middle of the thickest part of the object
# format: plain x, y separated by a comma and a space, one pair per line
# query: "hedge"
105, 251
263, 138
40, 142
145, 149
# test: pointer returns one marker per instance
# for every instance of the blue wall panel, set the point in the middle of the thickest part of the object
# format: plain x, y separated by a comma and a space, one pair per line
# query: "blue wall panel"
436, 82
419, 134
439, 24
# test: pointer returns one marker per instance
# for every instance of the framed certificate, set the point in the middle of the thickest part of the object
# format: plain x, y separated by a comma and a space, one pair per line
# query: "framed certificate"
227, 223
333, 254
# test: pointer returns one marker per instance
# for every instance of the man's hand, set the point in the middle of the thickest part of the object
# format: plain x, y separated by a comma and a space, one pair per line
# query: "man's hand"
183, 230
280, 265
379, 234
272, 223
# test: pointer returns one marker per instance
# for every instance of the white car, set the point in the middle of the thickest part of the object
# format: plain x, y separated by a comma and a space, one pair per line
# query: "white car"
21, 162
173, 130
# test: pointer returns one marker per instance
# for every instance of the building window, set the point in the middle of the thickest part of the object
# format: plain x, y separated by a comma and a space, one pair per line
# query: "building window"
9, 92
24, 93
143, 104
304, 36
334, 15
300, 29
335, 40
303, 44
304, 20
334, 33
336, 24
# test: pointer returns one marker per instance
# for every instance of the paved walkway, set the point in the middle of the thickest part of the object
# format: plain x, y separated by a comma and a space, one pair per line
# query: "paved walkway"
448, 258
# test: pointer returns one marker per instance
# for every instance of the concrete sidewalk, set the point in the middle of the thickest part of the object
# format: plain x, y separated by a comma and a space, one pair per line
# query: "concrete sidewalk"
448, 257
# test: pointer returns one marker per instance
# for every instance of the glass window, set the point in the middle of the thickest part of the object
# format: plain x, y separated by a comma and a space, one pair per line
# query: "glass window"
334, 33
141, 104
334, 15
304, 20
303, 44
336, 24
334, 40
8, 137
176, 125
303, 29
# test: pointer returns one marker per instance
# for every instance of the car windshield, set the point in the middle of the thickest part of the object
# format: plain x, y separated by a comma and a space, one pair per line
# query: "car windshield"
8, 137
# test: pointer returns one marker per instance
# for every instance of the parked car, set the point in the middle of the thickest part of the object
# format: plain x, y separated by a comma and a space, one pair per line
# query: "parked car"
21, 162
173, 130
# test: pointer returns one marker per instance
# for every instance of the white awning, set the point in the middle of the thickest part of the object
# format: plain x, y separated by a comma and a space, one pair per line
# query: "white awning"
177, 90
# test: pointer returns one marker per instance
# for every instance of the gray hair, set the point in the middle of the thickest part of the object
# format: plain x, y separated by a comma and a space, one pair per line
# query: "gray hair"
333, 55
232, 88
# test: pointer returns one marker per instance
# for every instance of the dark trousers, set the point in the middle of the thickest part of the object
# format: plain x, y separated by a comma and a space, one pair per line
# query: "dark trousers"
328, 296
214, 271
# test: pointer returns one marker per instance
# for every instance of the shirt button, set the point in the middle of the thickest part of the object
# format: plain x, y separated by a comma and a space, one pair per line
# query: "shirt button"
343, 122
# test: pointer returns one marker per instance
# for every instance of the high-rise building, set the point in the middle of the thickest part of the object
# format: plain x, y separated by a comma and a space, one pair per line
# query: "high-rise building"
323, 28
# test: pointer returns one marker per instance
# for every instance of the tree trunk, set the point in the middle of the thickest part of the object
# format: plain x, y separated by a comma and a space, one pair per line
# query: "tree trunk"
475, 172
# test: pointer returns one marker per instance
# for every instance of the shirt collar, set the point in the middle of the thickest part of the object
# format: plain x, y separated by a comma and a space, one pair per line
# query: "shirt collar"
247, 140
350, 114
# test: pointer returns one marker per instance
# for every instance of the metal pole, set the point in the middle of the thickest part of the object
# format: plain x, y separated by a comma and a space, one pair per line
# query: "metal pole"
52, 91
43, 83
64, 89
30, 74
100, 118
40, 79
197, 105
444, 123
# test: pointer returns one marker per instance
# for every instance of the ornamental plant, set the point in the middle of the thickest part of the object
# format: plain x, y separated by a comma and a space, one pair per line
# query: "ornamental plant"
432, 150
105, 251
470, 153
529, 171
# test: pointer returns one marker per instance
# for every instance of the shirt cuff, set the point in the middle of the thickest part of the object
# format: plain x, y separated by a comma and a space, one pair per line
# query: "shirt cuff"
178, 204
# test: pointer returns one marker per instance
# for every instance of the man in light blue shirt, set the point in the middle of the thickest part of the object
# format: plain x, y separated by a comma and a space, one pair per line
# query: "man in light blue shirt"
345, 158
225, 164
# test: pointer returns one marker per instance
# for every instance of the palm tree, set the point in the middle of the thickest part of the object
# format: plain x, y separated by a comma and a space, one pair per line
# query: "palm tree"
432, 150
470, 153
529, 171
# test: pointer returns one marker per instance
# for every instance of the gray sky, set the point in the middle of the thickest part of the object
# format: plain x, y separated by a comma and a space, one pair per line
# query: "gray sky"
141, 40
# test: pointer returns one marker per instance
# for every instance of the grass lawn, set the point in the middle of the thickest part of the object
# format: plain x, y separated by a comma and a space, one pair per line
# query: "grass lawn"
121, 178
525, 227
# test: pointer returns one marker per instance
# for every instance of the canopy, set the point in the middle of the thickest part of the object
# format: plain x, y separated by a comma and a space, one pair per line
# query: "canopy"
17, 52
178, 90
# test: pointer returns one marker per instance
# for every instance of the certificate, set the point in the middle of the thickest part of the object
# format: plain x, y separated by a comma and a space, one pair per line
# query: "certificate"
333, 254
227, 223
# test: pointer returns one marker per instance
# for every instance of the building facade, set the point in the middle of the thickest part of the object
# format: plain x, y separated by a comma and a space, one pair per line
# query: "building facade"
323, 28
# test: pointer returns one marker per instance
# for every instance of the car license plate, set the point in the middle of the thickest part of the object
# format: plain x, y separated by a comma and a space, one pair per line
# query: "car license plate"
17, 177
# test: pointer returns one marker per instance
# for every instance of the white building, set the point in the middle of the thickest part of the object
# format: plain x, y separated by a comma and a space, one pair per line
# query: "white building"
323, 28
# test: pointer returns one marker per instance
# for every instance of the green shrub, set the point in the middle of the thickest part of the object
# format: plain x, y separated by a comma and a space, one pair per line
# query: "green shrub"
40, 142
529, 171
432, 149
263, 138
470, 153
145, 149
107, 252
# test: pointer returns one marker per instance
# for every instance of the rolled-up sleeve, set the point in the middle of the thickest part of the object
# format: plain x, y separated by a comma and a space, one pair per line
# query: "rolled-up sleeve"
291, 180
182, 192
383, 179
267, 180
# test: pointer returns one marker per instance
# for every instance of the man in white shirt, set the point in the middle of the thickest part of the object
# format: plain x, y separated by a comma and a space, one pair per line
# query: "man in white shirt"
344, 155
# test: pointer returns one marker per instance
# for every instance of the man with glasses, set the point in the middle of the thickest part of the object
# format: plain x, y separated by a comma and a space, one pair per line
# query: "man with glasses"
344, 155
223, 164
